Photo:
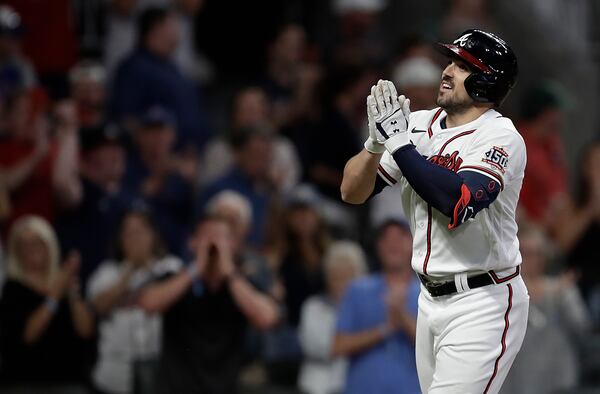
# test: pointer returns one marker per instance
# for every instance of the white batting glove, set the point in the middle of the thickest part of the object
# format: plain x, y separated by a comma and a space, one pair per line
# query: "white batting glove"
372, 144
390, 113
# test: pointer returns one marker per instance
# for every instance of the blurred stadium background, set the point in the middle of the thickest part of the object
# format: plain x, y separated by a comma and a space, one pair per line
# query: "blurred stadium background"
137, 135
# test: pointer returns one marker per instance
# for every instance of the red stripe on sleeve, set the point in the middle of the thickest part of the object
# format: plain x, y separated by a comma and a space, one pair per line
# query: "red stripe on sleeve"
386, 175
459, 208
487, 171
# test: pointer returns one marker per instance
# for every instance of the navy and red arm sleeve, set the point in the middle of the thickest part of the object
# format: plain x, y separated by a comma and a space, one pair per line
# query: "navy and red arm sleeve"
458, 196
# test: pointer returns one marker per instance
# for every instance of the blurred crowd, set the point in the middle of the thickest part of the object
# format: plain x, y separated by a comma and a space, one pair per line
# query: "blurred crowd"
170, 213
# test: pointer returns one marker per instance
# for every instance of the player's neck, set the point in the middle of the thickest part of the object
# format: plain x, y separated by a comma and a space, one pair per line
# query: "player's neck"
455, 119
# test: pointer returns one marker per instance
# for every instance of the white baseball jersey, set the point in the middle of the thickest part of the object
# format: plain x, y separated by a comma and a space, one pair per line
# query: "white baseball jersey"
489, 145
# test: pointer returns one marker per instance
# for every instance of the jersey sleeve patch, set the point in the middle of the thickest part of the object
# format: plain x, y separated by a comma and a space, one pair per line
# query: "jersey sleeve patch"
496, 152
496, 157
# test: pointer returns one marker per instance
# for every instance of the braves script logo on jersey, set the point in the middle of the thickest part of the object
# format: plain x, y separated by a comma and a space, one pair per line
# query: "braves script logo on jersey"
450, 161
497, 157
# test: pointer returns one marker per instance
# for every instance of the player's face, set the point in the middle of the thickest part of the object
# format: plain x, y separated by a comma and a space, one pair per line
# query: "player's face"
452, 96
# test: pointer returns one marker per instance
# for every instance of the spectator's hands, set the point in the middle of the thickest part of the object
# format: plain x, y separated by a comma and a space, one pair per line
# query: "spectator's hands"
65, 113
67, 276
390, 113
201, 250
395, 299
225, 253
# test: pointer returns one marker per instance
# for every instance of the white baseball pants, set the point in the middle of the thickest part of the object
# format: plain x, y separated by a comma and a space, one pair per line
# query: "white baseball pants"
466, 342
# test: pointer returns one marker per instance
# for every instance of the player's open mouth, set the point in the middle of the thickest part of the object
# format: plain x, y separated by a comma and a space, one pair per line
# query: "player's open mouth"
445, 86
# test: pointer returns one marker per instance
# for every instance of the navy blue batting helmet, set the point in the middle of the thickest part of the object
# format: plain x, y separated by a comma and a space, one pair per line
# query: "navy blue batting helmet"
493, 63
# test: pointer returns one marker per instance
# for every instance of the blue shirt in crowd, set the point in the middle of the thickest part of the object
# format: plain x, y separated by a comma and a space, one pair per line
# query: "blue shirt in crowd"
172, 207
390, 366
257, 195
143, 80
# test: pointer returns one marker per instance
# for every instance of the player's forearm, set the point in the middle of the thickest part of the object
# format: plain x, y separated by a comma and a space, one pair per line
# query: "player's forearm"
359, 177
260, 310
65, 172
159, 297
438, 186
348, 344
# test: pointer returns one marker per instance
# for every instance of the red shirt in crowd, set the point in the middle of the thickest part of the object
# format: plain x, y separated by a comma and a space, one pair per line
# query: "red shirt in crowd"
545, 173
35, 195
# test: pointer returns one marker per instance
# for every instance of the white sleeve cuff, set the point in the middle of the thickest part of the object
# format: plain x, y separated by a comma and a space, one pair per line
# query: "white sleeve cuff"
374, 146
396, 142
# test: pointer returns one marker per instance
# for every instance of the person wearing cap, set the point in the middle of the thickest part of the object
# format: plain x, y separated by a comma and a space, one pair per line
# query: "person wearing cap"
15, 69
377, 320
90, 223
49, 40
249, 176
149, 76
158, 176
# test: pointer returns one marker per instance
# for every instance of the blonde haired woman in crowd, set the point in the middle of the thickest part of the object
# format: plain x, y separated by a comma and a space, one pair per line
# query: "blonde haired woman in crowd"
43, 320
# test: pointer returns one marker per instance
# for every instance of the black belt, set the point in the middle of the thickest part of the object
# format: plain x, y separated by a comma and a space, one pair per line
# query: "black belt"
438, 289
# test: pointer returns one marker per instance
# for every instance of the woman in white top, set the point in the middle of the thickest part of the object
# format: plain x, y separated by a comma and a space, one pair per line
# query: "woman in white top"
320, 372
128, 336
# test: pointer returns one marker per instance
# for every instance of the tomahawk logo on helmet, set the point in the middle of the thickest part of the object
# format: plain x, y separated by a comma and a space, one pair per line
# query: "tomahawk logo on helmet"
494, 64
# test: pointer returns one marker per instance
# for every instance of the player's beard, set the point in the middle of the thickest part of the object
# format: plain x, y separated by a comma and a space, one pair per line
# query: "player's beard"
454, 105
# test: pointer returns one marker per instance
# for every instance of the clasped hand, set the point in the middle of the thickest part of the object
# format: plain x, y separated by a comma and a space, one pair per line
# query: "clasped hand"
388, 116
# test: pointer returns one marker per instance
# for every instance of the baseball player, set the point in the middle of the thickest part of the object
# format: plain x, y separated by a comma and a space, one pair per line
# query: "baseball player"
459, 170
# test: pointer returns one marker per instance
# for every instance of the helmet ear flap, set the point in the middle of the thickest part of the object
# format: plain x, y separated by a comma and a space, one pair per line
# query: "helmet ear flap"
482, 87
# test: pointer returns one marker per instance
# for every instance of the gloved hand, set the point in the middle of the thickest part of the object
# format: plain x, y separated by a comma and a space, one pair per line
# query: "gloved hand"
372, 144
390, 113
